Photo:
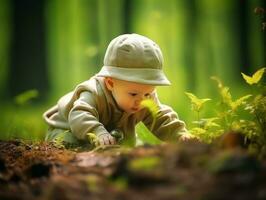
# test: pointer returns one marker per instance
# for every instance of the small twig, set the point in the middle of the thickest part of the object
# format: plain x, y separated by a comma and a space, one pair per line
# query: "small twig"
104, 147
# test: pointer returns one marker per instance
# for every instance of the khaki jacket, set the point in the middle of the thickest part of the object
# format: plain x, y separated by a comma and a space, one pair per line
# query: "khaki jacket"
91, 108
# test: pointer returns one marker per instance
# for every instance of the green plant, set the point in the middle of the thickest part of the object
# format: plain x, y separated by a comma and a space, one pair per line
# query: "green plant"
196, 103
153, 109
59, 141
144, 135
255, 129
93, 139
228, 116
228, 112
204, 129
25, 97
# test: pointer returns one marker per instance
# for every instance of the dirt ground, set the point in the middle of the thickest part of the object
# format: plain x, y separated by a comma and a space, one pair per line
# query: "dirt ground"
187, 170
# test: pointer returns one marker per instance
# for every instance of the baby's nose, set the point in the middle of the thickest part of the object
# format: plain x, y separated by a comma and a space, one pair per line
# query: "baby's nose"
138, 101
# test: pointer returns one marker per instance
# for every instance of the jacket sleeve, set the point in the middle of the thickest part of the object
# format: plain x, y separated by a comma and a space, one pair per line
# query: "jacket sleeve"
167, 125
84, 118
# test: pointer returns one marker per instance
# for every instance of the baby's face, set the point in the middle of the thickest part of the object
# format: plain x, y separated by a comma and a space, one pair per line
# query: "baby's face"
128, 95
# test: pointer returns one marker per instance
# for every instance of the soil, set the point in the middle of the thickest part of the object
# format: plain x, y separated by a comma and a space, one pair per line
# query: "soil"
187, 171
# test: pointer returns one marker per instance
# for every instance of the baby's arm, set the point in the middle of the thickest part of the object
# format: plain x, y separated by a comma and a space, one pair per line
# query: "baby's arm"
167, 125
84, 118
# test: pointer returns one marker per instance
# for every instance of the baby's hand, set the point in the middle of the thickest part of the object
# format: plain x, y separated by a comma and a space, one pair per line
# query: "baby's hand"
106, 139
186, 136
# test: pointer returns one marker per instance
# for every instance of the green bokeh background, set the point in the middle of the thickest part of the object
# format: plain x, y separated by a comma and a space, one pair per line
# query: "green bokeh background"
199, 38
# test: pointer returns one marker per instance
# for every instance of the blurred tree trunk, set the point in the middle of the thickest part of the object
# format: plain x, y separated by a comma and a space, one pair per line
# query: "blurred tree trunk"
256, 36
78, 35
216, 44
127, 16
67, 25
4, 45
28, 68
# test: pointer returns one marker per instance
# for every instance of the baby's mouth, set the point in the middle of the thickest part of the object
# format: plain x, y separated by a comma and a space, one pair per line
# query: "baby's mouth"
135, 109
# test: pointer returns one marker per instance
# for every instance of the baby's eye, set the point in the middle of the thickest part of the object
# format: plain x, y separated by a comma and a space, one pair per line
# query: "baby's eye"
132, 94
147, 95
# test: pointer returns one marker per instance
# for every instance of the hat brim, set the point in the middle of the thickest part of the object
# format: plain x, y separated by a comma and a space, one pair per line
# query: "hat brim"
137, 75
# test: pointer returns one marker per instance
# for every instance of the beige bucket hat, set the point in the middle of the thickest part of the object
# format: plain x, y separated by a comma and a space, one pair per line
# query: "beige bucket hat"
134, 58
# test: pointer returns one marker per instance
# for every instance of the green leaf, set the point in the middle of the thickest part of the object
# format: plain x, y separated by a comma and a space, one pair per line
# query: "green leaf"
226, 96
120, 183
92, 139
153, 109
206, 123
255, 78
219, 82
145, 136
196, 102
197, 131
145, 164
240, 101
151, 106
59, 140
224, 91
26, 96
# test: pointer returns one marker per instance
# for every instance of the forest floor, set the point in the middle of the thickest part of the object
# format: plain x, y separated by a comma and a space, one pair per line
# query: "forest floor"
187, 171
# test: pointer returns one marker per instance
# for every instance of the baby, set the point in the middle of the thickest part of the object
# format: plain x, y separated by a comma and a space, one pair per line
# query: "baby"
111, 99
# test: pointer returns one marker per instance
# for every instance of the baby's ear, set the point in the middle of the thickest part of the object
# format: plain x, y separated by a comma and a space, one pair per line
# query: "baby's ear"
109, 83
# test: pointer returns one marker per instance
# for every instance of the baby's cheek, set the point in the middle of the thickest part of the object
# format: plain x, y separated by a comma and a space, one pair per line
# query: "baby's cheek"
128, 102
